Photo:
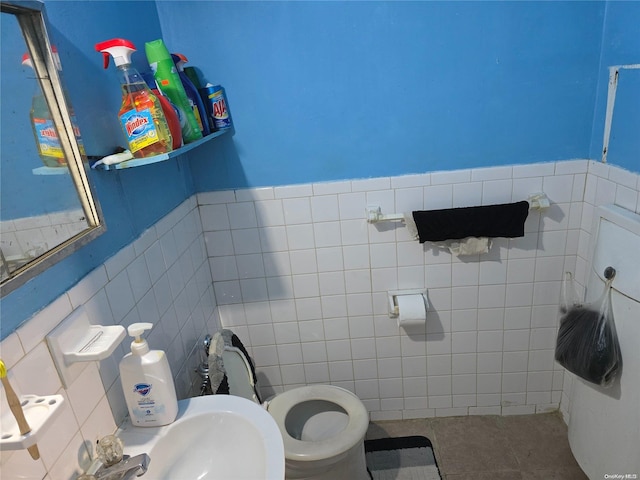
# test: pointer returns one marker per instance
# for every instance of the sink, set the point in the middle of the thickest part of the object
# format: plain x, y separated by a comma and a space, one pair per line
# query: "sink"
214, 437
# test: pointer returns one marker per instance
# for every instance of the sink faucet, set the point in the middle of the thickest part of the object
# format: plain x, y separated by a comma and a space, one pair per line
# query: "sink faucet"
127, 469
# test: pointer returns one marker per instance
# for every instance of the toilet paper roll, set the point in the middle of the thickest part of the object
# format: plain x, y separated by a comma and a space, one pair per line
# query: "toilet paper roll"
412, 310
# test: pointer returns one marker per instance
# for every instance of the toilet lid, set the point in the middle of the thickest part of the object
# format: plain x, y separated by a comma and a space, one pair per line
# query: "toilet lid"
325, 446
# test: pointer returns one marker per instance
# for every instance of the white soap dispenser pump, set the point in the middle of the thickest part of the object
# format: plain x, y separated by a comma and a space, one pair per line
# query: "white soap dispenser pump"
147, 382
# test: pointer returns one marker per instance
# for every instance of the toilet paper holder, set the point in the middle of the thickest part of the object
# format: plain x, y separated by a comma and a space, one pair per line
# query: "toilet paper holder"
394, 310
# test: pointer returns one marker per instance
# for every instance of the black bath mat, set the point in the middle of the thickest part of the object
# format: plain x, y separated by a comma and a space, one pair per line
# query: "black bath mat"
400, 458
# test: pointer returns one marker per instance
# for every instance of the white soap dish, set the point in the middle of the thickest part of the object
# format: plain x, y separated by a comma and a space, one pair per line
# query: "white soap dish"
39, 411
77, 340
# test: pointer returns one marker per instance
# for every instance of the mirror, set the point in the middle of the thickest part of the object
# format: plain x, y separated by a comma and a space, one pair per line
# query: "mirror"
47, 210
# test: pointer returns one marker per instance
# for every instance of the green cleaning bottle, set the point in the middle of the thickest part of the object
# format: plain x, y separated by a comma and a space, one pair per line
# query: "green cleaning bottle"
169, 82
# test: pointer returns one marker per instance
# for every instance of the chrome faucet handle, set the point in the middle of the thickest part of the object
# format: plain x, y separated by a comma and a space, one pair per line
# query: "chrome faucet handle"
128, 468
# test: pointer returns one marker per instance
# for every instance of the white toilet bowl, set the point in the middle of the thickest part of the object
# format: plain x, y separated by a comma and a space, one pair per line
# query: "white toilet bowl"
322, 426
323, 430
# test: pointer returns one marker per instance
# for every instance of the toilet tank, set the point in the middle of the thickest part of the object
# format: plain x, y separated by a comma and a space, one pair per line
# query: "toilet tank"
604, 423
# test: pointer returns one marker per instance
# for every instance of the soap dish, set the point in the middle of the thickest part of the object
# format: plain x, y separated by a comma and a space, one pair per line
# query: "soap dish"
39, 411
76, 341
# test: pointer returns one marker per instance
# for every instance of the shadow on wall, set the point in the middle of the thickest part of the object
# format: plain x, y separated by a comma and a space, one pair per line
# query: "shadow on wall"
216, 165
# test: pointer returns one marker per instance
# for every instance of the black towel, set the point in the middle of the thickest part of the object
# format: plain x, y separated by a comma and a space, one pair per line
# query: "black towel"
504, 220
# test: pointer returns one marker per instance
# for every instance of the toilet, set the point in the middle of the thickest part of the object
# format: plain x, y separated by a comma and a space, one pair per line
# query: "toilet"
322, 426
604, 423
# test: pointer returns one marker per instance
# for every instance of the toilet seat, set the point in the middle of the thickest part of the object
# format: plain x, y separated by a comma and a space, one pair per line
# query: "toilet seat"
308, 451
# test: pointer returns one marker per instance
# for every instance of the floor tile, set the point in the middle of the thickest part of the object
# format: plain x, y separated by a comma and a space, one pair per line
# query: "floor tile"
507, 475
472, 445
488, 447
564, 474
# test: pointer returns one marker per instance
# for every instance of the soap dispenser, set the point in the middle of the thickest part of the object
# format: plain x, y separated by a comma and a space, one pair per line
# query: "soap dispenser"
147, 382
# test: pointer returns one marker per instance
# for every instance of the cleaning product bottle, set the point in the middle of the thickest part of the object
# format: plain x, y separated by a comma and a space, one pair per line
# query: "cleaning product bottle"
143, 122
169, 82
192, 73
147, 382
192, 94
217, 106
169, 109
42, 125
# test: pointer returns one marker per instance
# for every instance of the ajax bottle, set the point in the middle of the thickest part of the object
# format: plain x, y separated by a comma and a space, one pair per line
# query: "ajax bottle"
143, 122
44, 131
147, 382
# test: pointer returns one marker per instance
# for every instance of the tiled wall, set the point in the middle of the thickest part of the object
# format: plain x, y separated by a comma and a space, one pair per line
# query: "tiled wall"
605, 185
302, 278
164, 278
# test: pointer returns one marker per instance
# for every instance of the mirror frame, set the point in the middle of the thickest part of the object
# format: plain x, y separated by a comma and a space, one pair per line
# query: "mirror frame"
32, 20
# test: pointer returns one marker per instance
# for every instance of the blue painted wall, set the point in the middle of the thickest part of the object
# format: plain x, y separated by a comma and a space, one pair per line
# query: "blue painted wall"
620, 46
334, 90
131, 200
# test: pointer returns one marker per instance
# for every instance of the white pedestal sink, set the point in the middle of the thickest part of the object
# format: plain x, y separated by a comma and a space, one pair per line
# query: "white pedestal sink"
216, 437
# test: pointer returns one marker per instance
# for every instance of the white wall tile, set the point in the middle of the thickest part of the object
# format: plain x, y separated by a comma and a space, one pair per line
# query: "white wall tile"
352, 205
214, 217
34, 331
463, 342
438, 196
496, 191
327, 234
448, 177
464, 320
357, 281
354, 232
556, 188
88, 286
356, 256
489, 362
269, 213
249, 194
516, 340
308, 309
512, 292
292, 191
245, 241
300, 236
533, 170
328, 188
273, 239
303, 261
242, 215
626, 198
120, 296
85, 393
464, 274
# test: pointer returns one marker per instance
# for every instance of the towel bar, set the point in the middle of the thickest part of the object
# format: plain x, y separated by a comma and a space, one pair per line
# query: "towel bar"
537, 201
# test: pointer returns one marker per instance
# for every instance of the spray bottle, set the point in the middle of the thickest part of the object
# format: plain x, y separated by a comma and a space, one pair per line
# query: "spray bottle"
143, 122
44, 131
169, 82
170, 111
192, 93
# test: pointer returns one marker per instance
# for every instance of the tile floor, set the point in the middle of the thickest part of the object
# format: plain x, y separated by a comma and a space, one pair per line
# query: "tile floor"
520, 447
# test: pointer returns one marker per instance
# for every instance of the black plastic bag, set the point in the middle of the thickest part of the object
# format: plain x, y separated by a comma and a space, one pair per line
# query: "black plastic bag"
587, 343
